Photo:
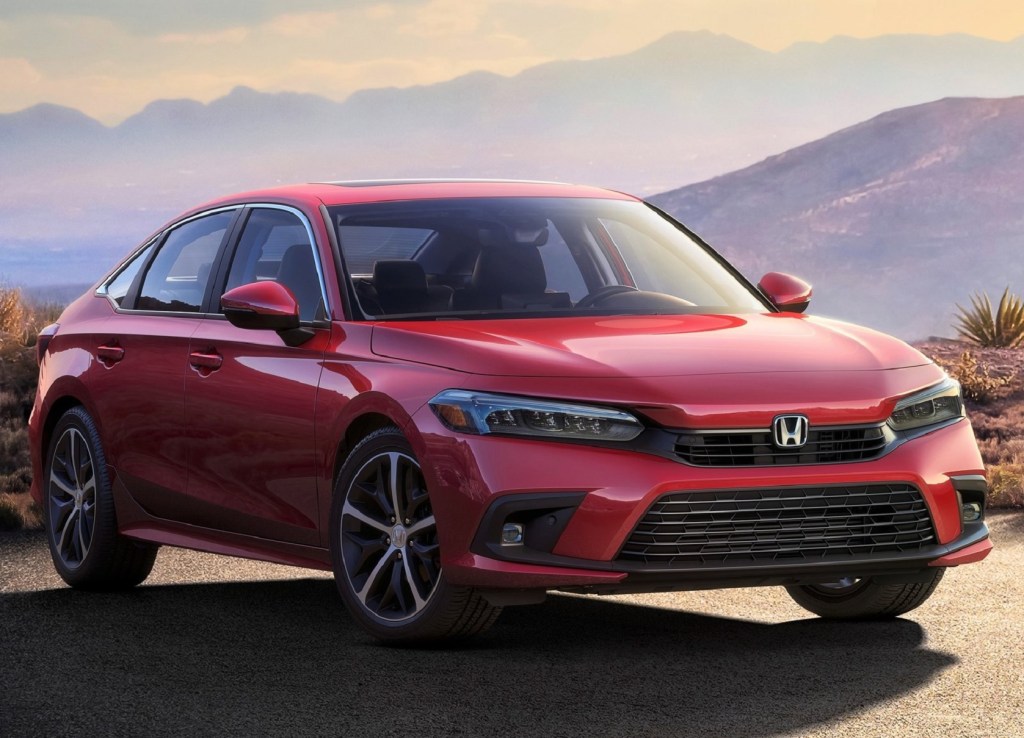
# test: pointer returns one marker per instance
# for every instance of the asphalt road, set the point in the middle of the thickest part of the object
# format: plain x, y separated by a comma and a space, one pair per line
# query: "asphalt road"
217, 646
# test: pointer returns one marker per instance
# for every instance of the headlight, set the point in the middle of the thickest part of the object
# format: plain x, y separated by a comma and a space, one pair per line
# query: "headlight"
934, 405
482, 414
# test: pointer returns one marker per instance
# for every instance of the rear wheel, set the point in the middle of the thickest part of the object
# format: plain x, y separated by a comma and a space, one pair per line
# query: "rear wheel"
81, 524
863, 599
385, 550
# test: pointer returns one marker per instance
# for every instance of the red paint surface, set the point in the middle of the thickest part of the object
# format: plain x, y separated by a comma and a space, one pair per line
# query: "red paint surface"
238, 455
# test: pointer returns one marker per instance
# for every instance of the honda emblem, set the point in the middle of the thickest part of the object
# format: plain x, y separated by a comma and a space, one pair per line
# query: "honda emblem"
790, 431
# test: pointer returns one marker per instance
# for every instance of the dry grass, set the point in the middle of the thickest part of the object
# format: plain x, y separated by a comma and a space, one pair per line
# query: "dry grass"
19, 512
13, 314
977, 380
19, 325
1006, 486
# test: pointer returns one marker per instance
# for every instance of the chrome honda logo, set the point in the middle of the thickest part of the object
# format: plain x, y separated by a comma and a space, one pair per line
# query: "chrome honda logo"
790, 431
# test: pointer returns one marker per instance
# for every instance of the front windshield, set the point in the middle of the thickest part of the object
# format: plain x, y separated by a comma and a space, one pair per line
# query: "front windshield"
528, 257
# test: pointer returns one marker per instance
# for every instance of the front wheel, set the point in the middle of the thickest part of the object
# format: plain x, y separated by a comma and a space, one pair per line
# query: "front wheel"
864, 599
385, 550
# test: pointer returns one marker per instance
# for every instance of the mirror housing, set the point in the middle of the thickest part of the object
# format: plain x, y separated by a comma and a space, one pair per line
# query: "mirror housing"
788, 293
261, 306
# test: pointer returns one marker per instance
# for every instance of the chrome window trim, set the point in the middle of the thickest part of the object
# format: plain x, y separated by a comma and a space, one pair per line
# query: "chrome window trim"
101, 291
312, 244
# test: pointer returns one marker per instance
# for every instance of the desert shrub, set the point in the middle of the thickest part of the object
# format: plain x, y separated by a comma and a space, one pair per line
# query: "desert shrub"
1006, 485
41, 315
13, 315
18, 374
19, 511
1002, 421
995, 451
984, 326
10, 518
976, 379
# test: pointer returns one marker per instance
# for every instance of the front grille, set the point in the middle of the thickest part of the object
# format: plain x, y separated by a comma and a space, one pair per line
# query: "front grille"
824, 446
780, 526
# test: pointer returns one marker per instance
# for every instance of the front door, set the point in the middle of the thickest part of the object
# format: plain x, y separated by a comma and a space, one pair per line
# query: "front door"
250, 398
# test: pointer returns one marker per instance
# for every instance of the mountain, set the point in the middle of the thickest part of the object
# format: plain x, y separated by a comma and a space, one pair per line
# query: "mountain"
76, 194
892, 220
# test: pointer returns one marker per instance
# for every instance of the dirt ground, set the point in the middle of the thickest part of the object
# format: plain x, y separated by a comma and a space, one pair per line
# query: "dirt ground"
218, 646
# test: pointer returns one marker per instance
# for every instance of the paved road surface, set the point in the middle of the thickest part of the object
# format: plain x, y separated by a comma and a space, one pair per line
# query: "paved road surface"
217, 646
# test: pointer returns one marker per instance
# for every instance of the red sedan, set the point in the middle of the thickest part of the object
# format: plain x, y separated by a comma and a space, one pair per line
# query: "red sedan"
460, 395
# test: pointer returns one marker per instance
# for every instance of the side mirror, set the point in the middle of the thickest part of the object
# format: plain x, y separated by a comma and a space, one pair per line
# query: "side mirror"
261, 306
788, 293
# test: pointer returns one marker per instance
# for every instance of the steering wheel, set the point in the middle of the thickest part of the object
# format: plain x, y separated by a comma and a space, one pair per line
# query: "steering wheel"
592, 298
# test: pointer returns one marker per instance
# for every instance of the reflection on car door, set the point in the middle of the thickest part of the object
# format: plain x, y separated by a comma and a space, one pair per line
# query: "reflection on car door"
250, 399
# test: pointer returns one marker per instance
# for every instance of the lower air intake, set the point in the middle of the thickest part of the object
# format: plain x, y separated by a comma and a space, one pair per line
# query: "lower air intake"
685, 530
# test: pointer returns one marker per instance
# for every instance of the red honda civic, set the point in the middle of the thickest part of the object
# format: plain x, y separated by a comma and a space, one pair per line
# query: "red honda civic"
459, 395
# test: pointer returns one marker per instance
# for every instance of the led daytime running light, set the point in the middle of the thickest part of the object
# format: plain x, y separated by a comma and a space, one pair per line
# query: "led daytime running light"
482, 413
935, 405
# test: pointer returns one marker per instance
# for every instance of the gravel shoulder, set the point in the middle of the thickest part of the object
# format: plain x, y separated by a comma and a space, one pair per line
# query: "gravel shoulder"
219, 646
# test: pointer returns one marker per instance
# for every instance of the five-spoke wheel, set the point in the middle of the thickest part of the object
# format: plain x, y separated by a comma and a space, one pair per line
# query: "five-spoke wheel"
389, 538
386, 552
87, 549
72, 497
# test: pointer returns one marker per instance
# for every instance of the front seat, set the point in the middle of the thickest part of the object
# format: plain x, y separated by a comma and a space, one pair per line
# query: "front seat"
401, 286
298, 273
510, 277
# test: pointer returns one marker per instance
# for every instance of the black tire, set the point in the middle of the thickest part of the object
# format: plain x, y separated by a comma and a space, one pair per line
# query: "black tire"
78, 510
865, 599
386, 565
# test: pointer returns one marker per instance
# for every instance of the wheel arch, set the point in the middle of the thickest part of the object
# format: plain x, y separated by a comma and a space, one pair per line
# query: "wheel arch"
359, 428
55, 410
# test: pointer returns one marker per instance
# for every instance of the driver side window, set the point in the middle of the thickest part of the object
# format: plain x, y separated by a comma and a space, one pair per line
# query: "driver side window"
275, 246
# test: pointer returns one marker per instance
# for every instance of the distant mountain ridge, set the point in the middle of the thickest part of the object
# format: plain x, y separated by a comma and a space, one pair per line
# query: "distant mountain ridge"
894, 220
77, 194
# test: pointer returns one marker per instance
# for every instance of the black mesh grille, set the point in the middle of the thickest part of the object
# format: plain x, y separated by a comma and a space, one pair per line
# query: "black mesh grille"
824, 446
779, 526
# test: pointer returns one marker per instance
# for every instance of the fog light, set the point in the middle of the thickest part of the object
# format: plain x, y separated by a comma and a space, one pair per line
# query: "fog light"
512, 534
970, 512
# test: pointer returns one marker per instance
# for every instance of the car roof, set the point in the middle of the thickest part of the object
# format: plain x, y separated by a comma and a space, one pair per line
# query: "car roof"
368, 191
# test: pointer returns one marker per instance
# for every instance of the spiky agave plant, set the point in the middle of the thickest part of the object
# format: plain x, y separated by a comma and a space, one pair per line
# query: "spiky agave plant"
984, 326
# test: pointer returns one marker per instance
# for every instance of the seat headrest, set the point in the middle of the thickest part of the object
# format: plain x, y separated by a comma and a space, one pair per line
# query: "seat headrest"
399, 275
510, 269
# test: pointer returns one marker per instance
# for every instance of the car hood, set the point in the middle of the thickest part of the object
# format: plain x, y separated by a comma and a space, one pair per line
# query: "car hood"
644, 346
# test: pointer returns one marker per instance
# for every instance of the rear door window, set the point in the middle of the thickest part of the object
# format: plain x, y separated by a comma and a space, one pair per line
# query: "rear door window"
118, 287
179, 274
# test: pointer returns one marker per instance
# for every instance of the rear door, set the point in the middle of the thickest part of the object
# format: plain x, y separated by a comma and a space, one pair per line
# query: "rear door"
250, 398
140, 395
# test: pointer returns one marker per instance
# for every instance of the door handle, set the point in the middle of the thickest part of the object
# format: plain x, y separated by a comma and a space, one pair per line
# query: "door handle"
205, 360
109, 354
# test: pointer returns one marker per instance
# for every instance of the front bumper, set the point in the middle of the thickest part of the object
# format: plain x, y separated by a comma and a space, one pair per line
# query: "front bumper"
596, 497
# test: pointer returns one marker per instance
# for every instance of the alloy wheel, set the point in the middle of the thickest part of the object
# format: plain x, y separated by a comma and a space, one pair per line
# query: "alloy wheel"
389, 542
72, 498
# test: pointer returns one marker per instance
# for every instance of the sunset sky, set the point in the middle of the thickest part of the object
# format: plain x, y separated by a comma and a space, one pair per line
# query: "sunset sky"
109, 59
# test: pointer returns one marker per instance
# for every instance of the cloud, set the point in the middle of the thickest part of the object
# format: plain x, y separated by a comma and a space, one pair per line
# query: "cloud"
439, 18
17, 72
230, 36
183, 16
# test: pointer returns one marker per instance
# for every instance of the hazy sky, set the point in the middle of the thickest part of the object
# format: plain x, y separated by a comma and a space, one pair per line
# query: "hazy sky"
111, 58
